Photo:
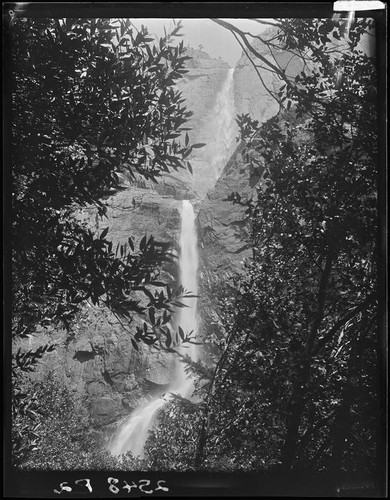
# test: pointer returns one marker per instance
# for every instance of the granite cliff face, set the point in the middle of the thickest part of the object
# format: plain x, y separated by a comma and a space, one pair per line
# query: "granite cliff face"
224, 241
223, 231
97, 357
222, 226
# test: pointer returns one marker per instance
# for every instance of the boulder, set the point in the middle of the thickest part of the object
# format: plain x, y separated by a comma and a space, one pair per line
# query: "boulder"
105, 409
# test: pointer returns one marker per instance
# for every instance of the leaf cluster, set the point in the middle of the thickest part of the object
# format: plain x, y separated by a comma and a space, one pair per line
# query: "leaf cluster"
90, 98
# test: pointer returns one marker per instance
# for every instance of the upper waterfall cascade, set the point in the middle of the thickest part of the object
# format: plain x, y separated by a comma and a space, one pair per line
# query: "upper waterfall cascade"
216, 127
223, 141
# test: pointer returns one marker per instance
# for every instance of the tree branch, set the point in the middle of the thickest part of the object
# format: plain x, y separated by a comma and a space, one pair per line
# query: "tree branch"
267, 23
326, 338
320, 304
233, 29
257, 71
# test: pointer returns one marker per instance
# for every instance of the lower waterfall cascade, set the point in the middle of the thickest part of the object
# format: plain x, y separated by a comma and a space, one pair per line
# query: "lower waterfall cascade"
187, 316
133, 433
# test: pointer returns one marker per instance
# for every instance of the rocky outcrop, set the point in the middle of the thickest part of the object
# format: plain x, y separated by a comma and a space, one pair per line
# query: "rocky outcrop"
223, 234
200, 86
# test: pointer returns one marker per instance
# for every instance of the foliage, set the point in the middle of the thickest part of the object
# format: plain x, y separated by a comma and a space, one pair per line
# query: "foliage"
296, 384
90, 99
63, 426
172, 443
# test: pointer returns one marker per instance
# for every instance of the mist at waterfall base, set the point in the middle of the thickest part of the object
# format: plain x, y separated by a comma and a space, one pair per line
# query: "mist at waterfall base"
133, 433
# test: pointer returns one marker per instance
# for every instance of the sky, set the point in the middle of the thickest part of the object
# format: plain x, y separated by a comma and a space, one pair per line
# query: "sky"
215, 40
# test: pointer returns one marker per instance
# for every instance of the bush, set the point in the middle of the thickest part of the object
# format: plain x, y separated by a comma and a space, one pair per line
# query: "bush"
172, 444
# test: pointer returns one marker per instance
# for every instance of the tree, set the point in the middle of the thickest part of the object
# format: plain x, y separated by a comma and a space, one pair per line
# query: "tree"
302, 358
90, 99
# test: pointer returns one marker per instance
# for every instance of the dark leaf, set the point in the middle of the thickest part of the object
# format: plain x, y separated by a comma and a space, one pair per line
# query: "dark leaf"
104, 233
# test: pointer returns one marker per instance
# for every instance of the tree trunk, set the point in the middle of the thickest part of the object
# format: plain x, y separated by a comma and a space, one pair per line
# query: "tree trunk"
201, 442
342, 426
291, 443
297, 405
341, 431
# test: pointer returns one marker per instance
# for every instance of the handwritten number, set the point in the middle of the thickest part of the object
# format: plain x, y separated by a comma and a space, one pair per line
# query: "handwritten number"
87, 483
112, 481
145, 482
63, 488
159, 487
128, 486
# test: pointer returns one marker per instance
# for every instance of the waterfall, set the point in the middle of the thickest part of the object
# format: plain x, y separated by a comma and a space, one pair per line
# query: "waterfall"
133, 433
218, 130
223, 140
187, 317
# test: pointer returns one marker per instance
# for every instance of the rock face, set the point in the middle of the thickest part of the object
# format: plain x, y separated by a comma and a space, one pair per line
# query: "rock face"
250, 93
224, 244
223, 232
97, 358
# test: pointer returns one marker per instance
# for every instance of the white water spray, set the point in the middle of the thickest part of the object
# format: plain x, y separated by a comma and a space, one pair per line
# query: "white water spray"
223, 139
188, 316
134, 432
218, 130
